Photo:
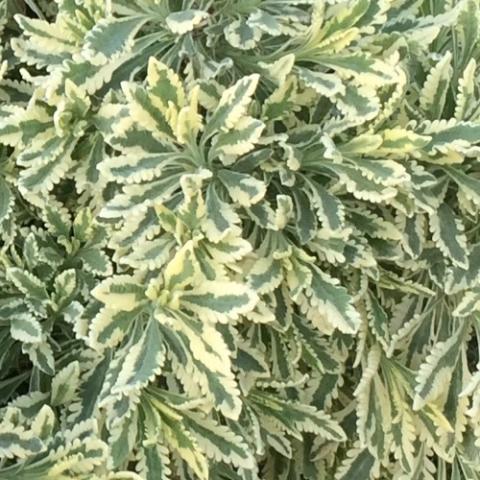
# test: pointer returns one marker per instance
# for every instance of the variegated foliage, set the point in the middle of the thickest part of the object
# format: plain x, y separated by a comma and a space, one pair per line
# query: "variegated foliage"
239, 240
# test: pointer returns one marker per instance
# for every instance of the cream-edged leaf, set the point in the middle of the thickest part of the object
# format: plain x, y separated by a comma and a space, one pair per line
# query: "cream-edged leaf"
28, 284
65, 383
6, 199
328, 84
143, 361
182, 268
266, 274
466, 92
400, 141
331, 302
242, 188
164, 86
219, 301
26, 328
219, 442
109, 326
435, 88
240, 140
120, 292
435, 372
297, 417
240, 34
16, 442
111, 37
41, 355
448, 234
185, 20
232, 106
469, 303
221, 219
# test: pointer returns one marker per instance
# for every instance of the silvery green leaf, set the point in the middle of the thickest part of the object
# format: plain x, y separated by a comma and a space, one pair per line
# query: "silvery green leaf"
332, 301
242, 188
232, 105
448, 235
6, 199
111, 37
434, 91
26, 328
241, 34
185, 21
435, 372
64, 384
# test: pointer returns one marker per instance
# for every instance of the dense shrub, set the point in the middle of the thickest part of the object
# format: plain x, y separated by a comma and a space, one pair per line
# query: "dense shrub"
239, 239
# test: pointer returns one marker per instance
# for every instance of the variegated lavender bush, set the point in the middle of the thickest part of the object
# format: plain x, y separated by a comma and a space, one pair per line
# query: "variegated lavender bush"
239, 239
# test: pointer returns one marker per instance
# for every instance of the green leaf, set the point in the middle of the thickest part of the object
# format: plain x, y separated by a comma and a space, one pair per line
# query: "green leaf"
185, 21
150, 255
120, 292
467, 184
346, 17
96, 261
378, 321
156, 463
452, 134
240, 34
239, 140
435, 372
360, 186
65, 383
58, 220
465, 102
83, 225
413, 234
359, 463
359, 103
317, 350
109, 326
26, 328
328, 84
306, 221
296, 417
332, 301
242, 188
111, 37
434, 91
182, 269
266, 274
448, 234
6, 199
219, 442
65, 287
468, 29
52, 160
469, 304
164, 86
221, 217
266, 22
41, 355
143, 361
28, 284
16, 442
282, 102
232, 105
212, 365
400, 141
122, 440
330, 210
219, 301
146, 112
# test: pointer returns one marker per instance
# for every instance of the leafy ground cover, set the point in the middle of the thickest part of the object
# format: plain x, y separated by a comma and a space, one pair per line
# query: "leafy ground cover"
239, 240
